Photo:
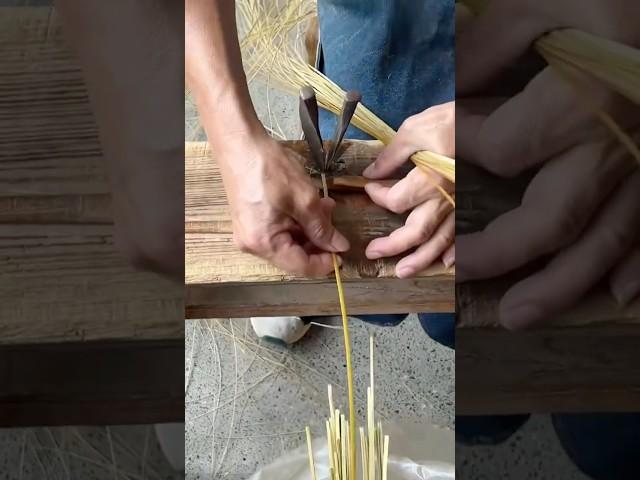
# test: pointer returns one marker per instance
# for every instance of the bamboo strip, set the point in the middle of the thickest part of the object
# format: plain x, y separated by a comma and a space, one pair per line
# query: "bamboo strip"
312, 467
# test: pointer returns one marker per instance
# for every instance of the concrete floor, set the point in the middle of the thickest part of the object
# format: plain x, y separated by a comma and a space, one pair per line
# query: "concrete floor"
533, 452
83, 453
248, 401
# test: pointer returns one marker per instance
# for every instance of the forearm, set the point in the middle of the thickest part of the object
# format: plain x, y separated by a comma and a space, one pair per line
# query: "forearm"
214, 71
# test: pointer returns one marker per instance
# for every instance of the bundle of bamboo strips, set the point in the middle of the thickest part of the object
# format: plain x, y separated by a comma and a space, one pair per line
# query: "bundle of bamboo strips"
374, 444
268, 50
575, 54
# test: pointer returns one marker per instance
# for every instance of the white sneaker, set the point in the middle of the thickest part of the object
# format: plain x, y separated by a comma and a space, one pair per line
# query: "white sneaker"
285, 330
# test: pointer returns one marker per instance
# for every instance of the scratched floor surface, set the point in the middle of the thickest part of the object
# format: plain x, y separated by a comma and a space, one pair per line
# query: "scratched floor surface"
248, 401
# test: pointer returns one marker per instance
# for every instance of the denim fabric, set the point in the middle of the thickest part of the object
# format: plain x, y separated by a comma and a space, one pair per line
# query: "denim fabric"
604, 446
398, 53
439, 326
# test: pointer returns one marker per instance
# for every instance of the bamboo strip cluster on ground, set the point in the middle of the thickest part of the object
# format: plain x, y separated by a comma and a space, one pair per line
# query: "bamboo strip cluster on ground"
374, 444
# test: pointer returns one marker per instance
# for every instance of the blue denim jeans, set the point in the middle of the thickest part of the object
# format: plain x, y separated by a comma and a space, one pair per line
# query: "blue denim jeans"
398, 53
439, 326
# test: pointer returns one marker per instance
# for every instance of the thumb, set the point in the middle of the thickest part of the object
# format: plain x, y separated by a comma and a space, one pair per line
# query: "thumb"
493, 40
315, 221
392, 157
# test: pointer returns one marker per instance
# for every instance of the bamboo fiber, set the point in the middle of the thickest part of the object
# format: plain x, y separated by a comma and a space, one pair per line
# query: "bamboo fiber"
268, 50
374, 444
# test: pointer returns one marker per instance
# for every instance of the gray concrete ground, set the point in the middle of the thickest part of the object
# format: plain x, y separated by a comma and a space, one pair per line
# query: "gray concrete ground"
83, 453
248, 401
533, 452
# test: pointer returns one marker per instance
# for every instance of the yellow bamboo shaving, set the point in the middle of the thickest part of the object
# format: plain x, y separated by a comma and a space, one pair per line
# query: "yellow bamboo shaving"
312, 466
347, 349
267, 50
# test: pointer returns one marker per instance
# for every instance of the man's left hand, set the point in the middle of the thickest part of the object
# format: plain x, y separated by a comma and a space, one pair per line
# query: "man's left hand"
430, 227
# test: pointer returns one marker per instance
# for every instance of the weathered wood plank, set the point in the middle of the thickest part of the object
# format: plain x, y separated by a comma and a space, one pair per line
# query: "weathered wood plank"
222, 281
586, 369
366, 296
91, 383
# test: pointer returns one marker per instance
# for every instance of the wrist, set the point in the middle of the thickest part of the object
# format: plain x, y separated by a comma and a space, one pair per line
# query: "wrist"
225, 111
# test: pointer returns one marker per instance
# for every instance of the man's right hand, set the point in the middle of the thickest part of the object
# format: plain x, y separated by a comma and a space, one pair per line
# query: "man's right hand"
277, 213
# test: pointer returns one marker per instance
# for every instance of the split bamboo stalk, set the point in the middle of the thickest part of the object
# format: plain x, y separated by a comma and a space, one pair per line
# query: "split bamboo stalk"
374, 445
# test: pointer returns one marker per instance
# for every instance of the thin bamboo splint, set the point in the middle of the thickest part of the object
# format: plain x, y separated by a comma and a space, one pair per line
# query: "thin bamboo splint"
341, 443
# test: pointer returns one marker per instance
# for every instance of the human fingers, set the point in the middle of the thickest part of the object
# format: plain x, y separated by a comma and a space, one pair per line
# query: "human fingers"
405, 194
576, 269
290, 256
557, 206
432, 130
427, 253
545, 119
313, 214
420, 225
624, 281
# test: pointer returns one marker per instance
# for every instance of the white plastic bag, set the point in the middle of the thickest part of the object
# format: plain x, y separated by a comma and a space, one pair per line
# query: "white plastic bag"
435, 446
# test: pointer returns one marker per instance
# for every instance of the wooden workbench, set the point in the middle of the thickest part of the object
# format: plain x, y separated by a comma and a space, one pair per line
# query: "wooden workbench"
83, 337
221, 281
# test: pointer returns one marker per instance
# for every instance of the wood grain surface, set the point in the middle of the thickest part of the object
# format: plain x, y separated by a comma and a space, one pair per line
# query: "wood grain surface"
61, 277
587, 369
224, 282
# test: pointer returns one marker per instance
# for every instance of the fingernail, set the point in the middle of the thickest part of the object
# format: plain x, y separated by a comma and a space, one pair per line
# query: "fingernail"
522, 317
625, 294
370, 170
339, 242
448, 260
372, 255
404, 272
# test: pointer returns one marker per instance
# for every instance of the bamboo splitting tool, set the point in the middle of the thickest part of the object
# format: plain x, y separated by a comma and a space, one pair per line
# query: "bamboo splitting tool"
324, 163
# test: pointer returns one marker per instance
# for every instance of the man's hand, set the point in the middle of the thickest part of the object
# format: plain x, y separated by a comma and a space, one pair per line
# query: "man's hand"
277, 213
547, 117
584, 209
580, 208
430, 227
